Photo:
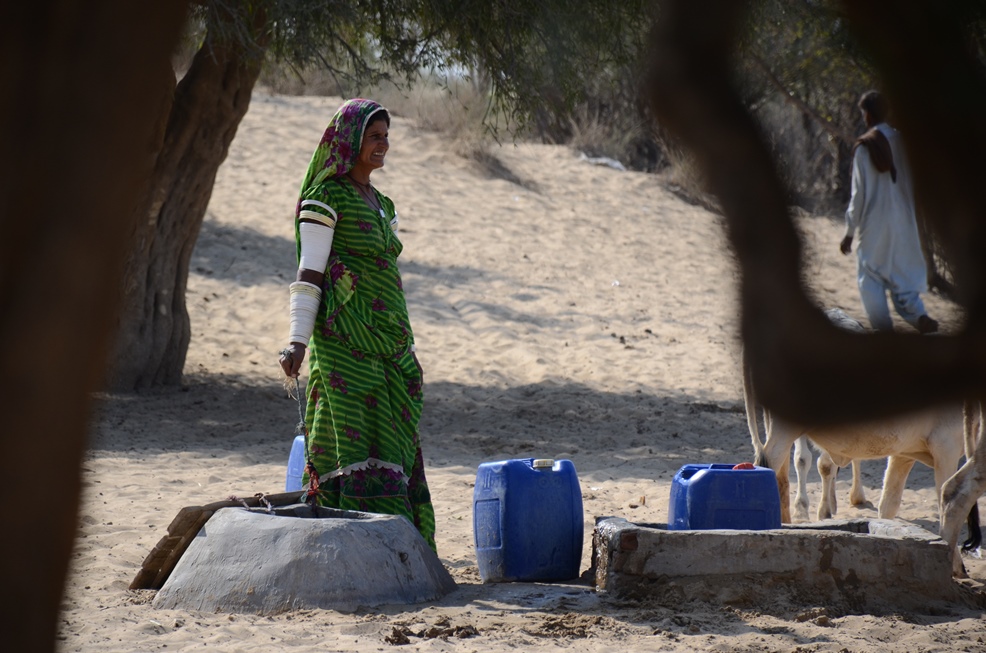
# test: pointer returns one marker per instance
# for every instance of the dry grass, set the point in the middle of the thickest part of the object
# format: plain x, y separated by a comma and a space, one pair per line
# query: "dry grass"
684, 178
598, 137
457, 107
310, 81
461, 110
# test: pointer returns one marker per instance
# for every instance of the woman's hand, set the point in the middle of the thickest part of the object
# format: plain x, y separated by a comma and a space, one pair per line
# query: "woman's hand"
291, 359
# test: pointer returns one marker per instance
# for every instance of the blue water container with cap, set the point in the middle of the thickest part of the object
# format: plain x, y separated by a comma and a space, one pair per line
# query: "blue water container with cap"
720, 495
527, 520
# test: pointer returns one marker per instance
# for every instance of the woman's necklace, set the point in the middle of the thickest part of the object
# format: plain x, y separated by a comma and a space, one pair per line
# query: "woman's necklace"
366, 191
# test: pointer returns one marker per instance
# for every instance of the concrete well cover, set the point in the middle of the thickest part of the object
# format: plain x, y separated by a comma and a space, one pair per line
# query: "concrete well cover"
254, 561
854, 565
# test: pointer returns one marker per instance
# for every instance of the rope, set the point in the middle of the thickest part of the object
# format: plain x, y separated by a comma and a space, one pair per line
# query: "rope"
301, 412
311, 495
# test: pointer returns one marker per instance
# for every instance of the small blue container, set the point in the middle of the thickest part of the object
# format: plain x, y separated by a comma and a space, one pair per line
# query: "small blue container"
296, 465
527, 520
718, 496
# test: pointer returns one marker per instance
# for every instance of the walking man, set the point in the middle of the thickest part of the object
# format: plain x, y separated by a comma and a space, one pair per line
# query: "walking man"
881, 210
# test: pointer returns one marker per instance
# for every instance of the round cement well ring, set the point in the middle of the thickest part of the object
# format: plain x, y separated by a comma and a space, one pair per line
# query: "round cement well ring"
259, 561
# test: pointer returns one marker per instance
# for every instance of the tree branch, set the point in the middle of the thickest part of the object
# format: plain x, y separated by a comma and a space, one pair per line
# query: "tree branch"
803, 367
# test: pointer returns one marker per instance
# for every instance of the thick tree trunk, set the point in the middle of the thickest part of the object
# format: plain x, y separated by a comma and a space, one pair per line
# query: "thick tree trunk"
82, 85
154, 329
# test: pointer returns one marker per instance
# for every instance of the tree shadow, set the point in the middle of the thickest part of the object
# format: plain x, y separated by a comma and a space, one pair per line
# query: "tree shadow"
638, 436
230, 253
462, 425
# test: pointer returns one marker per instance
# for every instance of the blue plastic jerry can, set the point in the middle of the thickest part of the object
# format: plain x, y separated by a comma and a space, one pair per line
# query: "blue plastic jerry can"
527, 520
718, 495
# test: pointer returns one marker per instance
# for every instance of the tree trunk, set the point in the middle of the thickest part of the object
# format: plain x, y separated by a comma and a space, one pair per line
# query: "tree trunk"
82, 86
154, 329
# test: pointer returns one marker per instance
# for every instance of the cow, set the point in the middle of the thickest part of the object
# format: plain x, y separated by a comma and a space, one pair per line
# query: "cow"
935, 436
802, 450
802, 461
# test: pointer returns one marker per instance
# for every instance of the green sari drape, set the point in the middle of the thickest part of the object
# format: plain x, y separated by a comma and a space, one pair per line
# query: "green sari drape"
364, 390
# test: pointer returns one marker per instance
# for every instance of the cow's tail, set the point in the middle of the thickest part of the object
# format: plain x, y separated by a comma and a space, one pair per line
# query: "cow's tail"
975, 533
750, 401
971, 425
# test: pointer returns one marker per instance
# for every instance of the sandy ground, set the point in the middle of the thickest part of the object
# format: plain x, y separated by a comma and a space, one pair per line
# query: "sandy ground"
582, 313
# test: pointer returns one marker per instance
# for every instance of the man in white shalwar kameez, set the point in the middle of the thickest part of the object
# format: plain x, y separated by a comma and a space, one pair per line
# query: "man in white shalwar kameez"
881, 210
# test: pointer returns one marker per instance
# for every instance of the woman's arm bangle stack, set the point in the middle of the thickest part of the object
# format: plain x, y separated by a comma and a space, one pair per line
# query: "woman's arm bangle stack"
305, 299
316, 245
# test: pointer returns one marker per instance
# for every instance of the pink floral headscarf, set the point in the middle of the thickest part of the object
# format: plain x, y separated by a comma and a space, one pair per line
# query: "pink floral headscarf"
338, 150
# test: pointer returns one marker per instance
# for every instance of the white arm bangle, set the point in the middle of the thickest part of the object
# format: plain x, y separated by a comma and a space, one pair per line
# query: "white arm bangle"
305, 299
316, 244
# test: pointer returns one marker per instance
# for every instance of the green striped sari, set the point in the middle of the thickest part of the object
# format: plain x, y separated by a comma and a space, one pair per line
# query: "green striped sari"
364, 391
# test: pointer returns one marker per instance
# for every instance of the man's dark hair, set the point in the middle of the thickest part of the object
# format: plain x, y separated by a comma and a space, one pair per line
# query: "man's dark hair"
873, 103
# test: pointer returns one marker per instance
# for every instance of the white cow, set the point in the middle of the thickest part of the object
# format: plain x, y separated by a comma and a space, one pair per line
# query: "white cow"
933, 436
827, 468
802, 450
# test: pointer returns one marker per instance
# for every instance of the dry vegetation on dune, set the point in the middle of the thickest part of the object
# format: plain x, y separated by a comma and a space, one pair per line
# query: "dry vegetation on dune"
459, 108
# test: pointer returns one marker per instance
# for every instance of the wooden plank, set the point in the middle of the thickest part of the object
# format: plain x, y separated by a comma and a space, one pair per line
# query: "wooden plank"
161, 561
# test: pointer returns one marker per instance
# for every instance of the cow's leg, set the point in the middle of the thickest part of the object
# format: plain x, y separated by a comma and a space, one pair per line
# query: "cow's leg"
894, 480
971, 425
784, 488
802, 463
856, 495
750, 402
946, 462
827, 469
959, 494
776, 455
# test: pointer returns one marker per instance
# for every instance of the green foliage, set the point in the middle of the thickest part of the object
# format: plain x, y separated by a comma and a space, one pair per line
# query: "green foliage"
803, 49
570, 69
346, 38
539, 59
803, 54
541, 55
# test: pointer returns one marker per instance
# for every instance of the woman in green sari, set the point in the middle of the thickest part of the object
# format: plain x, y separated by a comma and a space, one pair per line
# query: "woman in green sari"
348, 309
